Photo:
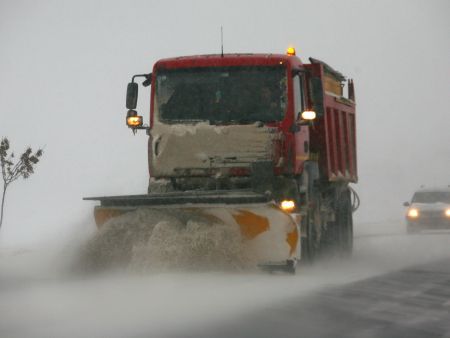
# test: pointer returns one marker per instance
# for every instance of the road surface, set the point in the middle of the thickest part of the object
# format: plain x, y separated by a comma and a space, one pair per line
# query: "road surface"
395, 285
414, 302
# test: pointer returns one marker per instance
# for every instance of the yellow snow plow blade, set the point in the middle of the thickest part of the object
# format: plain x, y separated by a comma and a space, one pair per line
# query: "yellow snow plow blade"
268, 235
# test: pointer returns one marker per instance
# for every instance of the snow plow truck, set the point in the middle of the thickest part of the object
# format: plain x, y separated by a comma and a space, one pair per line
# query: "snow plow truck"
261, 142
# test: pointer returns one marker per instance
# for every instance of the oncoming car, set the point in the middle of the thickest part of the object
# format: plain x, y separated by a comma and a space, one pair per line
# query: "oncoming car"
429, 209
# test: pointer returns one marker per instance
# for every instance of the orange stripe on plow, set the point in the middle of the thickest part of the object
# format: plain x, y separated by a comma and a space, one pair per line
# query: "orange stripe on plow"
251, 224
292, 239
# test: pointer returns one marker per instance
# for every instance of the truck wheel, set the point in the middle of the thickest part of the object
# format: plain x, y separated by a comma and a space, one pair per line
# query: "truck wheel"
309, 244
338, 237
345, 224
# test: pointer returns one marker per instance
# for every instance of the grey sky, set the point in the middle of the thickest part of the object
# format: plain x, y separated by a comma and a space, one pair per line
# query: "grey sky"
64, 66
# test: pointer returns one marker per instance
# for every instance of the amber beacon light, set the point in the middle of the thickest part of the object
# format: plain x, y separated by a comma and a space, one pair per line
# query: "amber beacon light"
290, 51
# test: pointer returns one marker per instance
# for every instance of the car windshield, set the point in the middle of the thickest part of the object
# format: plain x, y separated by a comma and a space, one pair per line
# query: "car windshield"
431, 197
221, 94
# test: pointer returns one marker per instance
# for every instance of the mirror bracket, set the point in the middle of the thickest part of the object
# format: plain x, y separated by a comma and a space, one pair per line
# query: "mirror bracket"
148, 79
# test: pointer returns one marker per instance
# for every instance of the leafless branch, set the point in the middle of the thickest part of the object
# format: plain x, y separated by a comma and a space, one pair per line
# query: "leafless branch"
11, 171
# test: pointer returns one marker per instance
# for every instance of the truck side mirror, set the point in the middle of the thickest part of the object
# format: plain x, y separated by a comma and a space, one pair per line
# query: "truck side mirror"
406, 204
132, 95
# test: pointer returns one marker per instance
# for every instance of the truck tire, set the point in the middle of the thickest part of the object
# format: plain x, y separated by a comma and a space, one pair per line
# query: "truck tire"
337, 239
344, 220
309, 243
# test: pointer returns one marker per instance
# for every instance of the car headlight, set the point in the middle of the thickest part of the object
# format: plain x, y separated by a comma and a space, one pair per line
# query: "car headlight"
447, 212
413, 213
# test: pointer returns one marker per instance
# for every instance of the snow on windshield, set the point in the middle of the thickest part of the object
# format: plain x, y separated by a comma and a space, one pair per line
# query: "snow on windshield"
222, 94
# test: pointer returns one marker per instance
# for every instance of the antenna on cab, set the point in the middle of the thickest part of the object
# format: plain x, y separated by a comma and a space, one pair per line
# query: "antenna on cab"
221, 38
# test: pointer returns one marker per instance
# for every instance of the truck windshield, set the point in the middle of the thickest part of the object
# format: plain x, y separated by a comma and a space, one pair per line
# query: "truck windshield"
431, 197
221, 95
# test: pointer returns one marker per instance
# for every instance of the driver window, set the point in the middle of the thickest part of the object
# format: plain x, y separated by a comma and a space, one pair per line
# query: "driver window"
298, 96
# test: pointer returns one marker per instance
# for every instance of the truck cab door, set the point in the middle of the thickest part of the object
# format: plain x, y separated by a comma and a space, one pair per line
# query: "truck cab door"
301, 134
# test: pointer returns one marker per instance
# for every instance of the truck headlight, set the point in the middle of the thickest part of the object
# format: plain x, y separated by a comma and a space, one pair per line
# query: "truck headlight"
133, 119
308, 115
287, 205
413, 213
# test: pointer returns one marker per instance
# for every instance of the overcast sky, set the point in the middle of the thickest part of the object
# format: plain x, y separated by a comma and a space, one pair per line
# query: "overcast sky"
64, 66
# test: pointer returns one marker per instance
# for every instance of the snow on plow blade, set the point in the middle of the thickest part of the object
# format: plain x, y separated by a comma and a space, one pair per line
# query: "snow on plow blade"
270, 236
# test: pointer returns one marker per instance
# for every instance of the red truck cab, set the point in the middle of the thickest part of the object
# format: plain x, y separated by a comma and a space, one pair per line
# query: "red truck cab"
271, 91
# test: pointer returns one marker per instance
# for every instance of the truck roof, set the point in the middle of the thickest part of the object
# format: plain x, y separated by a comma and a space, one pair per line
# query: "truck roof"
227, 60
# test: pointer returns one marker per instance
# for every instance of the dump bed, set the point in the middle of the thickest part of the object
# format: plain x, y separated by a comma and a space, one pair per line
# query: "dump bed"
334, 135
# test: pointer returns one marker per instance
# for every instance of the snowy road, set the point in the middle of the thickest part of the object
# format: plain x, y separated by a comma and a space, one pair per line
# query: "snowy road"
414, 303
375, 293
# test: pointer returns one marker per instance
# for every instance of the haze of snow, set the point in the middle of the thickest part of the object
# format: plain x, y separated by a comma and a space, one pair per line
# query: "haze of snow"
64, 71
200, 237
41, 298
161, 239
